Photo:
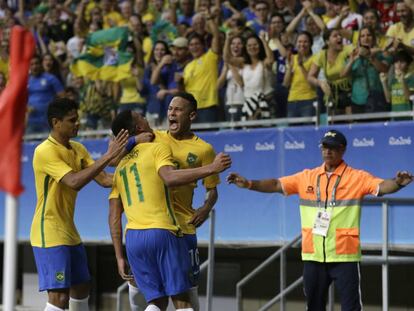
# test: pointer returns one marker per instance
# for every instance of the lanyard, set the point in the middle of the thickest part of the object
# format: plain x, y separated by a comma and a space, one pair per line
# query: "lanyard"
333, 196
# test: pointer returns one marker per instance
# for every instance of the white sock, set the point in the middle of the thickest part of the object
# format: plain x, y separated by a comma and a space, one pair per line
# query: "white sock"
136, 299
193, 294
186, 309
78, 304
50, 307
152, 308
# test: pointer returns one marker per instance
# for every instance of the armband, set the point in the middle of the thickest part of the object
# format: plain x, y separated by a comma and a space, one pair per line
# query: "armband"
130, 144
249, 184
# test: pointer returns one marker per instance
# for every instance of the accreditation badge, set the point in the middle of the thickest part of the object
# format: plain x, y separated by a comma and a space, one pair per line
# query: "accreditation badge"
321, 224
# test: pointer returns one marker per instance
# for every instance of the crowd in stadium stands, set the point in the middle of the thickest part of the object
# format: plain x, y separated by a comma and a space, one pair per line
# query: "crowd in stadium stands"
242, 60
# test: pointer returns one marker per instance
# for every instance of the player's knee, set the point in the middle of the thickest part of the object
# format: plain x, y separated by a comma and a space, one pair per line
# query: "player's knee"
80, 291
59, 299
182, 301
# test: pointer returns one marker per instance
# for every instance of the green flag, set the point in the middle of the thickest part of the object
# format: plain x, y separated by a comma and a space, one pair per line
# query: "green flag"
105, 57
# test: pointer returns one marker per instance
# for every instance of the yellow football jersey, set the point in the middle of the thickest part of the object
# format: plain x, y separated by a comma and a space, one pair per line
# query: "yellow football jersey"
188, 153
53, 222
144, 196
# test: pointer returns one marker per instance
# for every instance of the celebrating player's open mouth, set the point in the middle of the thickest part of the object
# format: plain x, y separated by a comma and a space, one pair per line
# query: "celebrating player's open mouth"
173, 124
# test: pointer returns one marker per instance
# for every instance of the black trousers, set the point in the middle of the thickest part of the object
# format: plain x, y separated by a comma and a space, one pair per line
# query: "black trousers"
346, 277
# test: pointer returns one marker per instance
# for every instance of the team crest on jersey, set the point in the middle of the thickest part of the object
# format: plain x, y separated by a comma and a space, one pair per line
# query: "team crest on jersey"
176, 164
191, 158
60, 276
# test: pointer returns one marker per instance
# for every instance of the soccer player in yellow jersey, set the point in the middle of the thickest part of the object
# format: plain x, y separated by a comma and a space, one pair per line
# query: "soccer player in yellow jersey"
61, 168
189, 151
156, 251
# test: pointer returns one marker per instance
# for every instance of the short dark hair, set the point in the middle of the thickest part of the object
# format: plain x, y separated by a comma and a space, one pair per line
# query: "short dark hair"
403, 56
261, 2
197, 36
123, 120
188, 97
59, 107
276, 14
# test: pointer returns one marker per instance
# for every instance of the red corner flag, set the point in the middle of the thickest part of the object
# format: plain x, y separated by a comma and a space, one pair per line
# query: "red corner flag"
13, 102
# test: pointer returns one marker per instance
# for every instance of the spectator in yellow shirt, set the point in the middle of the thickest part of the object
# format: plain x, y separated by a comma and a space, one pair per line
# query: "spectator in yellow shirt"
201, 74
402, 33
301, 93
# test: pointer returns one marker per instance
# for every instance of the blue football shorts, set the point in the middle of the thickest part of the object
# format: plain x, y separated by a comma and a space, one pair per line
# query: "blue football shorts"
61, 266
159, 262
191, 241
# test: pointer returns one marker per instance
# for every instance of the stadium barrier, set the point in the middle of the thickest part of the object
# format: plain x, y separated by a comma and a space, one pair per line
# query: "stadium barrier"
380, 148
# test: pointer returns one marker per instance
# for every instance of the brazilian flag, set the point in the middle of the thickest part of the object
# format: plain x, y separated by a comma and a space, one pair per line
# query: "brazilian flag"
105, 57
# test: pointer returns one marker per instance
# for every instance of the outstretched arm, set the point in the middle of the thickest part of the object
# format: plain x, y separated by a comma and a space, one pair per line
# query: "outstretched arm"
263, 185
174, 178
401, 180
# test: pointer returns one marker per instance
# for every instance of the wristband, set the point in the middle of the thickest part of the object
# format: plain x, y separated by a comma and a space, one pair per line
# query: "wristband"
130, 144
249, 184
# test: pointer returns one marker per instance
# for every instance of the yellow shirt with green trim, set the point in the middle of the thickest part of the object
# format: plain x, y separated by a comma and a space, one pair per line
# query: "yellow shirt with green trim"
188, 153
144, 196
333, 71
398, 100
53, 222
200, 79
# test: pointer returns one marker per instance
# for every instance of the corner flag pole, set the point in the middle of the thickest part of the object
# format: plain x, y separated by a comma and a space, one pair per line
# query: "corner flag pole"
10, 252
13, 102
